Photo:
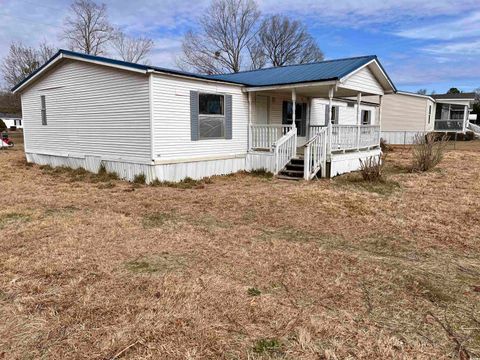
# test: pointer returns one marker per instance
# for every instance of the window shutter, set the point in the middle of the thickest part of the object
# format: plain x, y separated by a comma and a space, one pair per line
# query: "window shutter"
228, 116
327, 114
337, 115
194, 115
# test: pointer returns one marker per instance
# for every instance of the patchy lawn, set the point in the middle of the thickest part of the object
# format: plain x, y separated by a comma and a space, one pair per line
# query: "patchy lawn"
241, 267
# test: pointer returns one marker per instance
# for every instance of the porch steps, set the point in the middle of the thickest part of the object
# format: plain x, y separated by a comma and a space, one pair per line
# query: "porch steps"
293, 170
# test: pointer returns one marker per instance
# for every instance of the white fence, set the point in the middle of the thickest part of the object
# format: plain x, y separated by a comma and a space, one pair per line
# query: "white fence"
401, 137
315, 154
265, 136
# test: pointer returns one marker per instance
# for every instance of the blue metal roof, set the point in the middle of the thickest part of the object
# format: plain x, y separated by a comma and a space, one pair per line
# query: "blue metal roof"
319, 71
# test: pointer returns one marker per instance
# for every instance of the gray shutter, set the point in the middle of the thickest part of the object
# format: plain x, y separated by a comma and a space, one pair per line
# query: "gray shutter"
228, 116
327, 114
194, 115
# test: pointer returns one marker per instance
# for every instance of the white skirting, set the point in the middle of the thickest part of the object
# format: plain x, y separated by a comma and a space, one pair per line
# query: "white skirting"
260, 160
348, 162
400, 137
128, 169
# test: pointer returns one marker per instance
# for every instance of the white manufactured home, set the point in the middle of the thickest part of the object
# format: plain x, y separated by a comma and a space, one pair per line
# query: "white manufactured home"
301, 121
407, 115
11, 121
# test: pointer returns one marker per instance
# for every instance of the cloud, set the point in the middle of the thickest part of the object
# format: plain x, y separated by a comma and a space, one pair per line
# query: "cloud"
463, 27
467, 48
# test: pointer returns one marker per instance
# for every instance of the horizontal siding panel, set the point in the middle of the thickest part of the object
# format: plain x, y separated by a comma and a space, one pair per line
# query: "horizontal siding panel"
91, 110
405, 113
364, 81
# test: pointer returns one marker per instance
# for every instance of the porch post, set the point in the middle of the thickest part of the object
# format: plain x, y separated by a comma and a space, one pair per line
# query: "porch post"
294, 126
329, 122
359, 120
380, 107
465, 119
294, 105
249, 128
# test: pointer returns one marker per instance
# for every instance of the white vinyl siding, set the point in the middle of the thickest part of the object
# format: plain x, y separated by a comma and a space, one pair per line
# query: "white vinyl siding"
365, 81
91, 110
171, 119
347, 115
405, 113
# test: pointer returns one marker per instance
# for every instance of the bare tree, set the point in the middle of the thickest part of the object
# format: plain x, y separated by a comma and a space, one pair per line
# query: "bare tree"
10, 103
22, 60
227, 30
132, 49
286, 42
422, 91
87, 28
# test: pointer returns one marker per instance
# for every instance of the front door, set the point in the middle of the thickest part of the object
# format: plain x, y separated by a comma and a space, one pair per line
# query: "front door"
300, 119
262, 110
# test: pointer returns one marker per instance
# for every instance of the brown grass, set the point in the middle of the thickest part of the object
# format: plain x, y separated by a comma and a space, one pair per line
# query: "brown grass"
241, 267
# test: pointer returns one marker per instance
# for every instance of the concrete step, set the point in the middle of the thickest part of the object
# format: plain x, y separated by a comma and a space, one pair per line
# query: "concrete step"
284, 177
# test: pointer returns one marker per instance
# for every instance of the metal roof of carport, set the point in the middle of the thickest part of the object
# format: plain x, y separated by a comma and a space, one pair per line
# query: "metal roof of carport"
329, 70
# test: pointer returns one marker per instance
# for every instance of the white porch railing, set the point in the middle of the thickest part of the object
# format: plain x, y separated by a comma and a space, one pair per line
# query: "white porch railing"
315, 153
474, 127
353, 137
265, 136
449, 125
285, 149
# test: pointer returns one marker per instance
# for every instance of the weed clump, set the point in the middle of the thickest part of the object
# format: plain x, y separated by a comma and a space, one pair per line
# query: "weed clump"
428, 151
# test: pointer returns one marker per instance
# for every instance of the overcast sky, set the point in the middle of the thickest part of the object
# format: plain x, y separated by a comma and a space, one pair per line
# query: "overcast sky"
422, 44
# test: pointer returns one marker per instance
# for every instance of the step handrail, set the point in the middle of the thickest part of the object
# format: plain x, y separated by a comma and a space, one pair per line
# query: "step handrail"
315, 154
285, 149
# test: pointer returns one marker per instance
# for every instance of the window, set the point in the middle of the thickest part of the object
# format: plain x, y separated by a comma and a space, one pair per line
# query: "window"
44, 110
334, 115
429, 113
211, 119
211, 104
366, 117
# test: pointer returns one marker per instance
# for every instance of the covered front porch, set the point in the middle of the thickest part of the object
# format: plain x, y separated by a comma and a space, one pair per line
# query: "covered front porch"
313, 130
451, 115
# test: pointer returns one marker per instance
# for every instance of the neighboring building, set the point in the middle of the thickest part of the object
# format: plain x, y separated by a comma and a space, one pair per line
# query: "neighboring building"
84, 111
12, 121
408, 114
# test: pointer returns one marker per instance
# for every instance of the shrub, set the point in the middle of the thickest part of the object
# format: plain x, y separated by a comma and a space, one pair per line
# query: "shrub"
3, 127
139, 179
428, 151
372, 168
384, 146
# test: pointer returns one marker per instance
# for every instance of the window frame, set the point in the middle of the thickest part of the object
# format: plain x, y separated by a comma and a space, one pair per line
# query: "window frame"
43, 109
212, 116
369, 112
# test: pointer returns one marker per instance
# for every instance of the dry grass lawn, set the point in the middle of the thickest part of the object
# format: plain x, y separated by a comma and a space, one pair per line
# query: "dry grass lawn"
241, 267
